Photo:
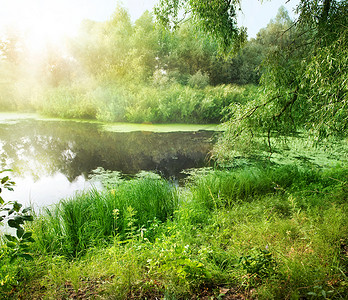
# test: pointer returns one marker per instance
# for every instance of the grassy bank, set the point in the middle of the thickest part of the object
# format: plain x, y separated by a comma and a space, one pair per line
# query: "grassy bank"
172, 103
254, 232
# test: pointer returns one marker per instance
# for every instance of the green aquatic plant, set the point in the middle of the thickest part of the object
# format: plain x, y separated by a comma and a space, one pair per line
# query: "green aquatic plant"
106, 177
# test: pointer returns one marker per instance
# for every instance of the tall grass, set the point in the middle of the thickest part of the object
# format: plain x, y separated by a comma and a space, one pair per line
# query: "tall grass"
257, 232
67, 102
112, 102
95, 217
223, 188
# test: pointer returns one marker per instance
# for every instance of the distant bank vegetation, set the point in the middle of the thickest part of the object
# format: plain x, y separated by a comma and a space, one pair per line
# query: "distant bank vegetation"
137, 72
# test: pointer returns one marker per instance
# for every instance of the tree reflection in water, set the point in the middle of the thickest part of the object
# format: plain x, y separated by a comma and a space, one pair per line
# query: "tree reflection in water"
59, 155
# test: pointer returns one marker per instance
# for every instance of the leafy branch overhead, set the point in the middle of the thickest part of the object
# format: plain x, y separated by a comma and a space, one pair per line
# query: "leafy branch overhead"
216, 17
304, 74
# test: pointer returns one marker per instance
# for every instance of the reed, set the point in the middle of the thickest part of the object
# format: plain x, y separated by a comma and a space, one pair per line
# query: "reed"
94, 218
222, 188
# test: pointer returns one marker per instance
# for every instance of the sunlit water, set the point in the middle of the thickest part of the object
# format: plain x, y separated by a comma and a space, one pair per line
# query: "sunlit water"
53, 159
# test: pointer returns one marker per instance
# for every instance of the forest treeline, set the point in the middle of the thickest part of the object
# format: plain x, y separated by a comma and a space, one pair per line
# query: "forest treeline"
138, 72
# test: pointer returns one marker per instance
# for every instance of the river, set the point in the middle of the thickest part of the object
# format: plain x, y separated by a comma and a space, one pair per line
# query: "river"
53, 159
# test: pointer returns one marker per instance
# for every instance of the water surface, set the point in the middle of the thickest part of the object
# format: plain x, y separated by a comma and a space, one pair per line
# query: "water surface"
52, 159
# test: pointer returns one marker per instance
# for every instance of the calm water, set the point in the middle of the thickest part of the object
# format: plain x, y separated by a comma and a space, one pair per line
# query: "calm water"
52, 159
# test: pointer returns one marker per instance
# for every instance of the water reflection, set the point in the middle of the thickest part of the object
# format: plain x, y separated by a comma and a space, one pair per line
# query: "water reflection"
58, 156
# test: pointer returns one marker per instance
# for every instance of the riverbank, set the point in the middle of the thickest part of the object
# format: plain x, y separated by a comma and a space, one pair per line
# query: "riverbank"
174, 103
255, 232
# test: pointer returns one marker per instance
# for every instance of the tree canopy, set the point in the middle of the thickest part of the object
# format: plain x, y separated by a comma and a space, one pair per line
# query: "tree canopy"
304, 74
216, 17
300, 64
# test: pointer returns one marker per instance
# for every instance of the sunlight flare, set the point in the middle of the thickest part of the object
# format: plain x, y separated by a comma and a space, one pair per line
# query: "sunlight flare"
42, 23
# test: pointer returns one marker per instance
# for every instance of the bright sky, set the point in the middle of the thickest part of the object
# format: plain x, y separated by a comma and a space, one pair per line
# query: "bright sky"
51, 19
256, 14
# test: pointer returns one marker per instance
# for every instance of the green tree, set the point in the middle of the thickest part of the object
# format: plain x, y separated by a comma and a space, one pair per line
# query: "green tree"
11, 45
117, 43
304, 82
144, 48
103, 48
190, 51
298, 71
56, 68
216, 17
87, 48
11, 57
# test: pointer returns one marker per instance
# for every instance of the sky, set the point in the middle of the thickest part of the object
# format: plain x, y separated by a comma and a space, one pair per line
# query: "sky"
63, 16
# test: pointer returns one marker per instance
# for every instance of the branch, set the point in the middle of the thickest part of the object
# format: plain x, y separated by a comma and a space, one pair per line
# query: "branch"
289, 103
269, 142
293, 25
325, 11
251, 111
344, 182
184, 17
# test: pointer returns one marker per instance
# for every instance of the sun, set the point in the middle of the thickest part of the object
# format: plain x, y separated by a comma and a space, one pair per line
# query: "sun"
48, 30
41, 22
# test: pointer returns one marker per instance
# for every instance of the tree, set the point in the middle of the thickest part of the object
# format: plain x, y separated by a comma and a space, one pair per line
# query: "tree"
297, 73
187, 51
87, 48
216, 17
11, 45
103, 48
144, 48
11, 58
304, 83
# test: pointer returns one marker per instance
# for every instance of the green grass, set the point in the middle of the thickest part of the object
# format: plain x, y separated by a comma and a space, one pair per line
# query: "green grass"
222, 188
95, 218
253, 232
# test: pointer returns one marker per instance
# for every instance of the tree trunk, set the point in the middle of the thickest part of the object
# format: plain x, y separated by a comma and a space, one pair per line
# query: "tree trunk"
325, 12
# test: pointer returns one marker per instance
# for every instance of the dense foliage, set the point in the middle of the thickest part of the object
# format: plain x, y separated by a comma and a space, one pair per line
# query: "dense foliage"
123, 71
304, 82
219, 18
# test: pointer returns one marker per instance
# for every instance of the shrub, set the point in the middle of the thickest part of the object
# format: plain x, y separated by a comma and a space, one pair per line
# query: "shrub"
68, 102
110, 103
199, 80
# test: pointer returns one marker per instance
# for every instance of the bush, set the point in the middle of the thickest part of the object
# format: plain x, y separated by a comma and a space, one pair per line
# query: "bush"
183, 104
199, 80
110, 103
68, 102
